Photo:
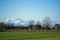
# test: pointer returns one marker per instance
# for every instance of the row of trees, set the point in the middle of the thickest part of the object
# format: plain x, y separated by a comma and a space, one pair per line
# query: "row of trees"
32, 25
46, 25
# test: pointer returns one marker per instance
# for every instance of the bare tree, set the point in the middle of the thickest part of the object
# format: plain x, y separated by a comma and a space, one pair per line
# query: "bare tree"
38, 24
2, 25
46, 22
31, 22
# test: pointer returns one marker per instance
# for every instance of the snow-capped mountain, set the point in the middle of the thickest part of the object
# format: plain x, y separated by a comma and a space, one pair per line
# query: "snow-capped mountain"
17, 22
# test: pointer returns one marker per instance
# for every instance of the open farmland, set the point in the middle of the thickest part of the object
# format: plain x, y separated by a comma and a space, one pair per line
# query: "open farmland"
29, 35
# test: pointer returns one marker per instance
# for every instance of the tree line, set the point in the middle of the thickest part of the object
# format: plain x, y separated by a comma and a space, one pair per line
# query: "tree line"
32, 25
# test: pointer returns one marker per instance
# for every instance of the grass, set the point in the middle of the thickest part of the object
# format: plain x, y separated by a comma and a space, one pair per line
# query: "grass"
29, 35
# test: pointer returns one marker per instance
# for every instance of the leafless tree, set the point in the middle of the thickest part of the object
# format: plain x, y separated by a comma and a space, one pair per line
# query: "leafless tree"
39, 24
46, 22
31, 23
2, 25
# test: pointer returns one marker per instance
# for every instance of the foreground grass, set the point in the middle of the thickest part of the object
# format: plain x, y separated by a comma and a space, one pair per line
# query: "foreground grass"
29, 35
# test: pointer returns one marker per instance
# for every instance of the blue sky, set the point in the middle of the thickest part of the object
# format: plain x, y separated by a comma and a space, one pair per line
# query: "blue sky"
30, 9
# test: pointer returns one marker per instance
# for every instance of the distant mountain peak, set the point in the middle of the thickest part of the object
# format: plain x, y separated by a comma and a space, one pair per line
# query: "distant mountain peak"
16, 22
12, 20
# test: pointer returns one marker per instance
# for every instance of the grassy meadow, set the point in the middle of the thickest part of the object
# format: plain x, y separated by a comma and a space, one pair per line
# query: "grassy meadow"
29, 35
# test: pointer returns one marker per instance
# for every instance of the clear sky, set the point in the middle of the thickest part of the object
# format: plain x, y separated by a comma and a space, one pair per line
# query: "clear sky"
30, 9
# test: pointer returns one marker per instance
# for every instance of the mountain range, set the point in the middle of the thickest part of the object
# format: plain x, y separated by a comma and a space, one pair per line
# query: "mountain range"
17, 22
20, 22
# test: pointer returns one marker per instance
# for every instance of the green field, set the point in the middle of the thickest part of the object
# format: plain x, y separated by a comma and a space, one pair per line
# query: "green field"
29, 35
